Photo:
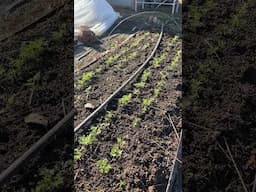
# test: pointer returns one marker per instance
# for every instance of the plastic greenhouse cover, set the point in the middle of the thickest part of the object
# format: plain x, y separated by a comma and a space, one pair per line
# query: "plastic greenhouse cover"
98, 15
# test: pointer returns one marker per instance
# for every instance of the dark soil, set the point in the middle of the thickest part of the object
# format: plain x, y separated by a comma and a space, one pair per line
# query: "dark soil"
219, 92
150, 145
53, 87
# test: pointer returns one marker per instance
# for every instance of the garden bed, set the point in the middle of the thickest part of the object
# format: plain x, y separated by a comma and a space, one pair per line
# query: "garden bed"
132, 145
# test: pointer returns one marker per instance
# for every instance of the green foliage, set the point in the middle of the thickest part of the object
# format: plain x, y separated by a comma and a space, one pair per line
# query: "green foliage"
88, 91
136, 91
160, 84
121, 185
146, 103
139, 85
28, 53
99, 70
116, 151
103, 165
52, 180
77, 154
108, 116
145, 75
112, 59
91, 138
58, 35
85, 78
156, 93
159, 60
125, 99
120, 142
132, 55
87, 140
135, 121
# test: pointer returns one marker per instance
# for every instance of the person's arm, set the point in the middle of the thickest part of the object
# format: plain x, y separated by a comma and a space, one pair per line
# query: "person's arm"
84, 35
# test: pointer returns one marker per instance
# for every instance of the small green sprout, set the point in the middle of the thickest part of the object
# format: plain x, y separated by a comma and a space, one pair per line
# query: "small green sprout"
77, 154
156, 93
109, 116
116, 151
146, 103
135, 121
139, 85
99, 70
103, 165
120, 142
85, 78
112, 59
136, 91
145, 75
88, 91
87, 140
121, 185
161, 84
125, 100
133, 55
30, 52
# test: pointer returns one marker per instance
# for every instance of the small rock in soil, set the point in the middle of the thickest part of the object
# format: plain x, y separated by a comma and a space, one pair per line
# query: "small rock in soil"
151, 189
35, 118
89, 106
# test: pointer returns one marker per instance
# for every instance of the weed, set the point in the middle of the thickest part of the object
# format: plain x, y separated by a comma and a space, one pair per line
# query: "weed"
103, 165
85, 78
11, 101
125, 100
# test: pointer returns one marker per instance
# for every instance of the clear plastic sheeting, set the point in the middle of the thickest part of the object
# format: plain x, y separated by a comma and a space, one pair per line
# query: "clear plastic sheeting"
98, 15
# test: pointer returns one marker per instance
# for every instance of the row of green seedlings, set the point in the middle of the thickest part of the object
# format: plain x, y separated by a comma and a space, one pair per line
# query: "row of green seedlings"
116, 150
123, 101
86, 77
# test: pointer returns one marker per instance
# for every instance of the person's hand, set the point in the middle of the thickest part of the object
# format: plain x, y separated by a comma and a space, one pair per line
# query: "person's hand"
86, 35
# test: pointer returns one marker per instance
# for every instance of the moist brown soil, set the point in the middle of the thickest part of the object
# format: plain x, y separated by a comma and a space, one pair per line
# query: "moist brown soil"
150, 146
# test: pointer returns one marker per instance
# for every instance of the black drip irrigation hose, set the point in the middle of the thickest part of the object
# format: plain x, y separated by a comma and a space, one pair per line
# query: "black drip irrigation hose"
35, 148
131, 78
